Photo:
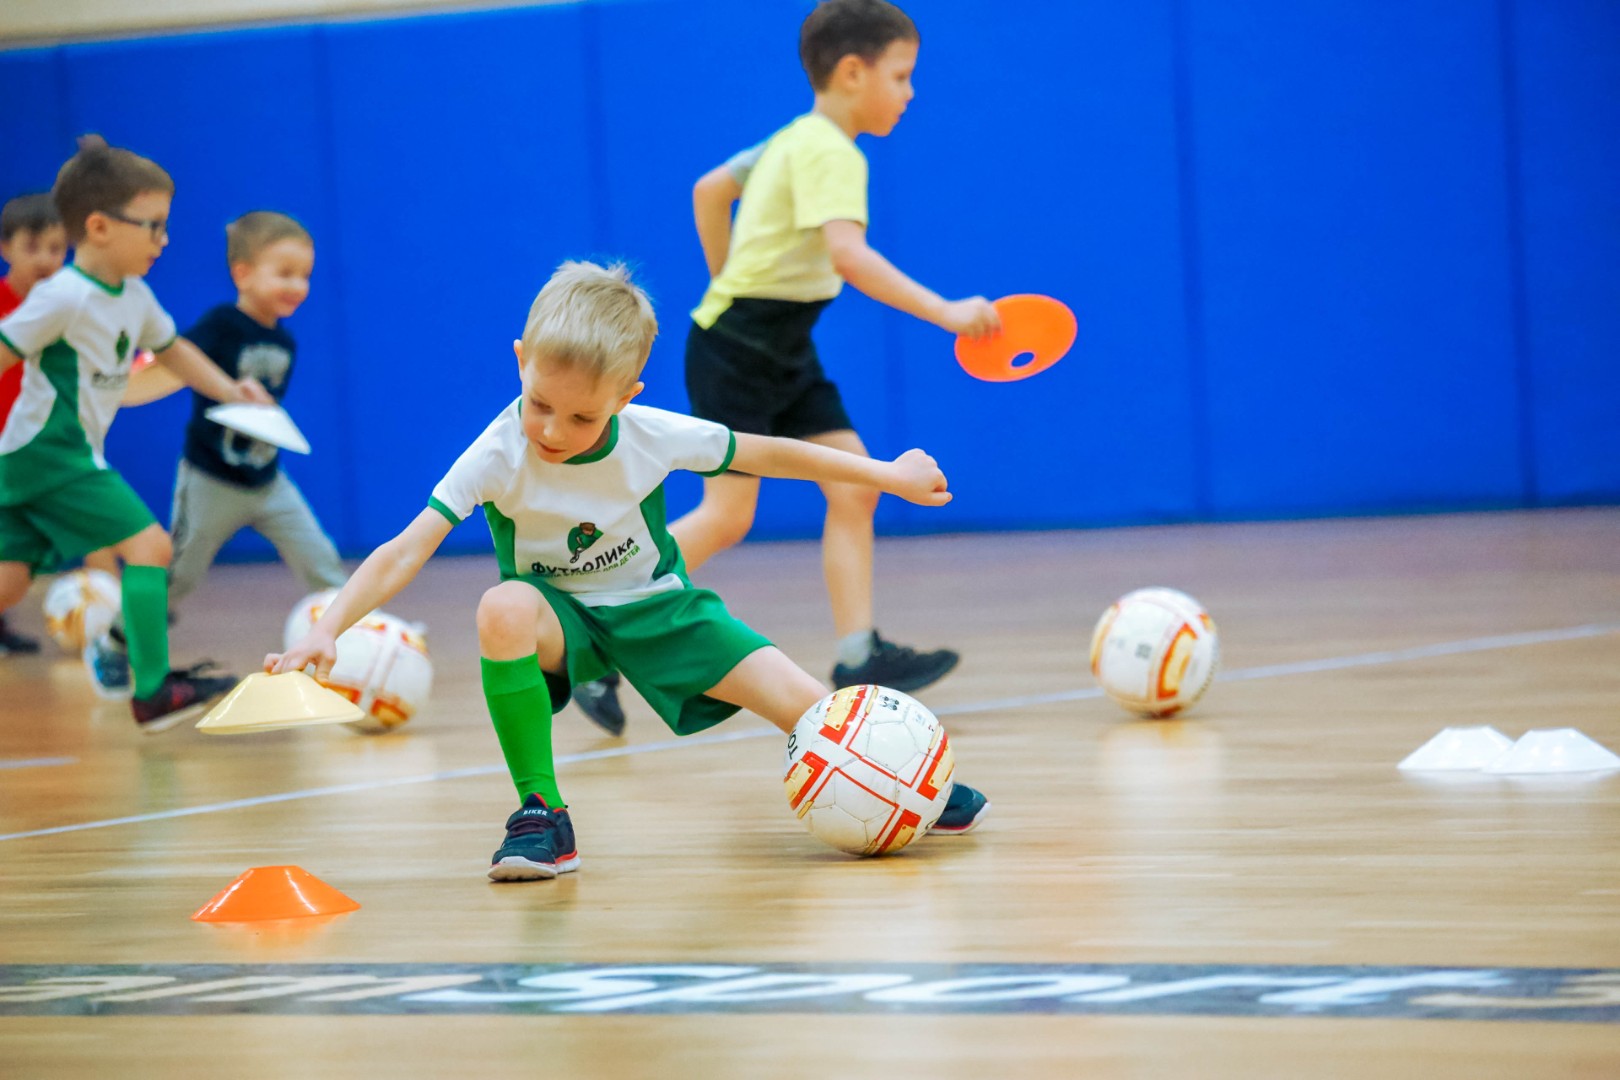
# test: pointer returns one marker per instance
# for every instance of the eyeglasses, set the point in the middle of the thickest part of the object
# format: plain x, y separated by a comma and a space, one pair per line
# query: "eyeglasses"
158, 227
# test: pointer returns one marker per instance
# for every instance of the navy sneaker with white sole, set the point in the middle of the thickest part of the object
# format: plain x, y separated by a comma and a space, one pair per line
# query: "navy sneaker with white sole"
965, 807
539, 844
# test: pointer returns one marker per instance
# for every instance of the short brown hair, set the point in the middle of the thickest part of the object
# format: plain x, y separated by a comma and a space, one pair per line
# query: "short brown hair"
250, 234
103, 179
840, 28
28, 213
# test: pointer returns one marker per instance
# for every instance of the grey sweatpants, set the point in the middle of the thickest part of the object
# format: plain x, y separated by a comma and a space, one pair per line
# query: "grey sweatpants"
208, 512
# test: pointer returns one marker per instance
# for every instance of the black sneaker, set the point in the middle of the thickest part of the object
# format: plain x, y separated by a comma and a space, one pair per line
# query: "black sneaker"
964, 809
599, 700
181, 695
539, 844
896, 667
15, 644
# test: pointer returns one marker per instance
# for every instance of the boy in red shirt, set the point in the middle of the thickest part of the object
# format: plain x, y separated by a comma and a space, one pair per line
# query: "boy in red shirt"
34, 245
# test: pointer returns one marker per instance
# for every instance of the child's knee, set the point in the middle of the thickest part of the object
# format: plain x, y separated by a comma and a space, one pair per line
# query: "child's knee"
149, 547
733, 528
507, 614
852, 501
14, 579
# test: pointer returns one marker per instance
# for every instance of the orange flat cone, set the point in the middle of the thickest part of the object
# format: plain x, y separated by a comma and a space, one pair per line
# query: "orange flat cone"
274, 892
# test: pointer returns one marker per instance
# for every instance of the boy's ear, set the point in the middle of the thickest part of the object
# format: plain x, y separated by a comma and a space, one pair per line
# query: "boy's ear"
240, 272
96, 226
849, 72
517, 350
629, 395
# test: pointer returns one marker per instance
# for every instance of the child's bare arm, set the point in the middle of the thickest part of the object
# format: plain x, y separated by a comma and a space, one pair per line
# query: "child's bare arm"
914, 476
712, 197
877, 277
378, 580
152, 383
8, 355
193, 367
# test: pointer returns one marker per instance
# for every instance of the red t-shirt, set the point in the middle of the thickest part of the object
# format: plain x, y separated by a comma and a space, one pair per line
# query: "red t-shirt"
11, 378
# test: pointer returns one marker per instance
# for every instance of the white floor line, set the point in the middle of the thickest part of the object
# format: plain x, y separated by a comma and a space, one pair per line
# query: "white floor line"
1270, 671
37, 762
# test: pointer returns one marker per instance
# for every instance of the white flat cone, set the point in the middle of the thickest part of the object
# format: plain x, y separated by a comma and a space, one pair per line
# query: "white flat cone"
1555, 750
1458, 749
263, 702
267, 423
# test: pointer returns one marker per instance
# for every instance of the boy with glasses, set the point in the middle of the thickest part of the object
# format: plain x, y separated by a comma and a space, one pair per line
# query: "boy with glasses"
77, 334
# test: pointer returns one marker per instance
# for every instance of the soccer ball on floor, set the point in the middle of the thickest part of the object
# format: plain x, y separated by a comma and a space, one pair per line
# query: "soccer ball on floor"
1155, 651
382, 663
868, 770
80, 606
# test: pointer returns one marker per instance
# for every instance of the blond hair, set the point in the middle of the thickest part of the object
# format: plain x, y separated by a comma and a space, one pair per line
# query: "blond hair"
248, 236
591, 318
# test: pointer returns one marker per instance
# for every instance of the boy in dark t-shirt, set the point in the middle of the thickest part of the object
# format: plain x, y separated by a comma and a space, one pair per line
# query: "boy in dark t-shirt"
229, 481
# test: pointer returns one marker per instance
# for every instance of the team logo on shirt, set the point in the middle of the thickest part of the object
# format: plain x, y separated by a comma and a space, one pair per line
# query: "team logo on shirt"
122, 347
620, 554
580, 537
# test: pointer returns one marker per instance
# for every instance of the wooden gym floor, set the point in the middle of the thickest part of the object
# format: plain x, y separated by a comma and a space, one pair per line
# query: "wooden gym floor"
1253, 891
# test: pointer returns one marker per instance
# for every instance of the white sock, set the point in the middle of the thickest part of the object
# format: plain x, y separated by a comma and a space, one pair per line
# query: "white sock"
855, 649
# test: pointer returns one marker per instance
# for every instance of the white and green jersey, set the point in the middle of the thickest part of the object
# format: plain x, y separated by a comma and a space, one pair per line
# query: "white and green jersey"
593, 525
77, 337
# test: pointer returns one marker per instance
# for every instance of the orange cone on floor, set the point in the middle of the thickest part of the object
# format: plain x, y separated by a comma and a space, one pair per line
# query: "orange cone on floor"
274, 892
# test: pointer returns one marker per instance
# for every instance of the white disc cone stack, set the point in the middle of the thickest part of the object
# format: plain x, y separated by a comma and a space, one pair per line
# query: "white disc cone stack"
1458, 749
1554, 750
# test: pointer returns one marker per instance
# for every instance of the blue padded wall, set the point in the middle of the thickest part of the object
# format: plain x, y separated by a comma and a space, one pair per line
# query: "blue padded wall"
1566, 78
1356, 291
1325, 259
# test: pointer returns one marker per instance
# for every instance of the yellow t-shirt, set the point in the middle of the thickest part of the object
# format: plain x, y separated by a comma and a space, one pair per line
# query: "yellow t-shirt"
809, 173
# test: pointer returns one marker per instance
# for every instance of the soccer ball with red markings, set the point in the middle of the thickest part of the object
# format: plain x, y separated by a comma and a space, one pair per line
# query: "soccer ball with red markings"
80, 606
868, 769
1155, 651
382, 664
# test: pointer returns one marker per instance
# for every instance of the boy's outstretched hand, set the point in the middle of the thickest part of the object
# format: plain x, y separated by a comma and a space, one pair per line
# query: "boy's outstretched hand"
252, 392
314, 647
974, 317
918, 479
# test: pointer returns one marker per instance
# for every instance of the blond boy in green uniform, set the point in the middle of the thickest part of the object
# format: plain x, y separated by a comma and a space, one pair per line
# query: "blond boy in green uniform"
574, 603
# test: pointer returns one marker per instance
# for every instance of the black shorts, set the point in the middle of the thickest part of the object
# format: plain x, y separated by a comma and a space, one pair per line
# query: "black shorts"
756, 371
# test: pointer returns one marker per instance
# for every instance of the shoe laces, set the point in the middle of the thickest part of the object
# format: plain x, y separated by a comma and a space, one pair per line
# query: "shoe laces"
889, 650
530, 823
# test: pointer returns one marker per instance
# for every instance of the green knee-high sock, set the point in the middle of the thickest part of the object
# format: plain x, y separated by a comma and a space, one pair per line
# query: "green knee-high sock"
146, 625
520, 705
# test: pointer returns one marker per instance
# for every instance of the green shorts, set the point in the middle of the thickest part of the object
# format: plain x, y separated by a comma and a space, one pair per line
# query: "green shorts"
96, 510
672, 647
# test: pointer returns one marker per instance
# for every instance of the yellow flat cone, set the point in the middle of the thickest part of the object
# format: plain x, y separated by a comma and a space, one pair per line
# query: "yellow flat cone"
263, 702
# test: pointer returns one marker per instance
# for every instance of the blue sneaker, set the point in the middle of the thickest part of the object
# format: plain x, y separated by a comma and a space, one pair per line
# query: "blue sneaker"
108, 663
539, 844
964, 809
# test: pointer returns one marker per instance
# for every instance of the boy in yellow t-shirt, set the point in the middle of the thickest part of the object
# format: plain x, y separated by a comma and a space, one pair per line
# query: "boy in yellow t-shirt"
800, 233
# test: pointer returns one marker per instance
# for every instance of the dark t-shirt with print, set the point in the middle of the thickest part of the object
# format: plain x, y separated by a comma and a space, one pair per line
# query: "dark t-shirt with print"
242, 348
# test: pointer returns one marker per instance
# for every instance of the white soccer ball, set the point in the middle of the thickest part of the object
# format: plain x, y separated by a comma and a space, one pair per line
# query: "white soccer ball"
382, 663
80, 606
1155, 651
868, 769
